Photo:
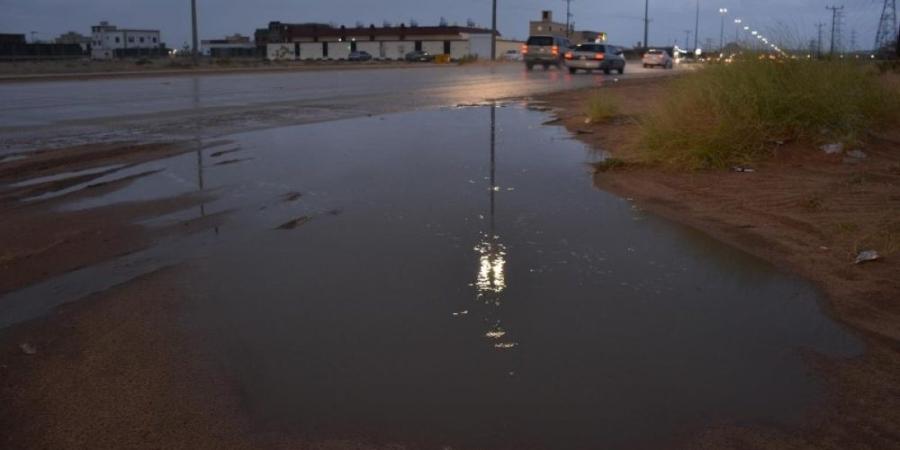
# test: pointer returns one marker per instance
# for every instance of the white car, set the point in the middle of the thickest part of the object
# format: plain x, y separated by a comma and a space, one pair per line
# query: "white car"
657, 58
512, 55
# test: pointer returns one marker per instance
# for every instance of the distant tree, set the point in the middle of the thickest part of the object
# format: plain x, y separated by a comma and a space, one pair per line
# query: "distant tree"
386, 24
359, 24
470, 23
413, 23
443, 22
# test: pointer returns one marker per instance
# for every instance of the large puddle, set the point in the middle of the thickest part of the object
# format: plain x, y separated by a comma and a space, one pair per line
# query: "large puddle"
451, 277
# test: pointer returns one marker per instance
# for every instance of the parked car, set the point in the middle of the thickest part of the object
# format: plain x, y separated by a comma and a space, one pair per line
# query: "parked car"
359, 56
419, 56
657, 58
545, 51
592, 57
512, 55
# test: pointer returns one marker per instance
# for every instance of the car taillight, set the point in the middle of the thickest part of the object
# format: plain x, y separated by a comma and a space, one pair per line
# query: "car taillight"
555, 50
599, 56
569, 55
524, 49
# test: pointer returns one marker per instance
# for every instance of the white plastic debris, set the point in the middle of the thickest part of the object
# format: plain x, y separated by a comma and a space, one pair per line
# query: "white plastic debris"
28, 348
833, 149
858, 154
742, 169
867, 256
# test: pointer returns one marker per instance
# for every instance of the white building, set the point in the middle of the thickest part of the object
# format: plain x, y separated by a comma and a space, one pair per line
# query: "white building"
109, 41
323, 42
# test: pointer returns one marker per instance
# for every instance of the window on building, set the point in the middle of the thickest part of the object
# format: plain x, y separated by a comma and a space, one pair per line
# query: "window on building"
142, 40
154, 40
131, 40
117, 40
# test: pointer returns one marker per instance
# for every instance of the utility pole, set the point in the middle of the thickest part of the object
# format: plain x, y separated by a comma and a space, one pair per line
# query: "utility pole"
494, 31
568, 18
646, 23
886, 25
852, 41
834, 22
723, 12
820, 27
697, 27
195, 52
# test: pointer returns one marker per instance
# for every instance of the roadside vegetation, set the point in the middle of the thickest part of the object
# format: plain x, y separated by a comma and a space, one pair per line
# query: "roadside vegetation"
738, 113
603, 106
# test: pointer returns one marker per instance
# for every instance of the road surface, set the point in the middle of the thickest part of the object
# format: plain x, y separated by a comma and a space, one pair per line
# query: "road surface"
36, 114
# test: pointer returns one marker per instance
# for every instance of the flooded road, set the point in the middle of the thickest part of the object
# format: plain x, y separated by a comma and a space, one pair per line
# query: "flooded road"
58, 113
452, 278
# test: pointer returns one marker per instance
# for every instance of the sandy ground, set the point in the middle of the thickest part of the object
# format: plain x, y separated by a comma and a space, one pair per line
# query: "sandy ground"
807, 212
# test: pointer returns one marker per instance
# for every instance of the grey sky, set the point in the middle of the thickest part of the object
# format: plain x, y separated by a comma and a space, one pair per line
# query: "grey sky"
620, 18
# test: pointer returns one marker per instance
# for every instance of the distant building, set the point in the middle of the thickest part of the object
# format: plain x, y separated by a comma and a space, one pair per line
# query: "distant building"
12, 39
14, 47
547, 27
232, 46
311, 41
75, 38
109, 41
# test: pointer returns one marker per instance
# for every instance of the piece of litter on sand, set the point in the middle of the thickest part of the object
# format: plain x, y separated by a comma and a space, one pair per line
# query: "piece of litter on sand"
461, 313
28, 348
824, 248
858, 154
867, 256
832, 149
742, 169
587, 121
294, 223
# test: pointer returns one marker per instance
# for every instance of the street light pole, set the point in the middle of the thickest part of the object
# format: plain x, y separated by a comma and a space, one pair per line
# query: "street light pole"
737, 31
194, 53
723, 12
646, 23
697, 27
494, 31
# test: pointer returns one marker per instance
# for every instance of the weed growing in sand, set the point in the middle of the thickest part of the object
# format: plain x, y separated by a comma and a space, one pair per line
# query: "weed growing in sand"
736, 113
602, 107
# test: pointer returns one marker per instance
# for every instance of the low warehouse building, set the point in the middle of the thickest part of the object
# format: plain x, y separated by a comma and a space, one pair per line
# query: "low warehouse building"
320, 41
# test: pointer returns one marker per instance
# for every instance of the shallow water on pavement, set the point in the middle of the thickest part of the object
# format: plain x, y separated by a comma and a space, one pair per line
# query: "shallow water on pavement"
452, 277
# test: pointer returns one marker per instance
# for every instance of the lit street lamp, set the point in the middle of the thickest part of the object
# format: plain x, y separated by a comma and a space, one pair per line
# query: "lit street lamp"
737, 30
723, 12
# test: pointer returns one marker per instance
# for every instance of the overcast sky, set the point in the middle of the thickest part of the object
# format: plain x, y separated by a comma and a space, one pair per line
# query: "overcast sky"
620, 18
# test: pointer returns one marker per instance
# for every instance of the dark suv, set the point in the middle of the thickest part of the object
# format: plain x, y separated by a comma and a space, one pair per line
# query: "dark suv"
545, 51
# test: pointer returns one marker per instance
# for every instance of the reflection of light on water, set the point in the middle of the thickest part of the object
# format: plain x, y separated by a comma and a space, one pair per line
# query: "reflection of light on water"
495, 334
491, 273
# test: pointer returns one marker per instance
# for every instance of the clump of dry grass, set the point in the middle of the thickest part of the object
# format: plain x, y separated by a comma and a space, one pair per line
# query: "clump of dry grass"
732, 114
603, 106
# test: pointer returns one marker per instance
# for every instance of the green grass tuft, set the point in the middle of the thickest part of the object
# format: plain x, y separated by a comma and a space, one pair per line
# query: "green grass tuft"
603, 107
734, 113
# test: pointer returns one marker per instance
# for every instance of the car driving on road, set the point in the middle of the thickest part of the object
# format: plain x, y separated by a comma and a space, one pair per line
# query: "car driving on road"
590, 57
657, 58
545, 51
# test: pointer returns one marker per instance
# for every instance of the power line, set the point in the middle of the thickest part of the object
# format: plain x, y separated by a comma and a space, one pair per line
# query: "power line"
887, 25
835, 24
820, 26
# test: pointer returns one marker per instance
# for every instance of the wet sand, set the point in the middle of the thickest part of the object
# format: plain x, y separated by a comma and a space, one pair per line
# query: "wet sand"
119, 370
806, 212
